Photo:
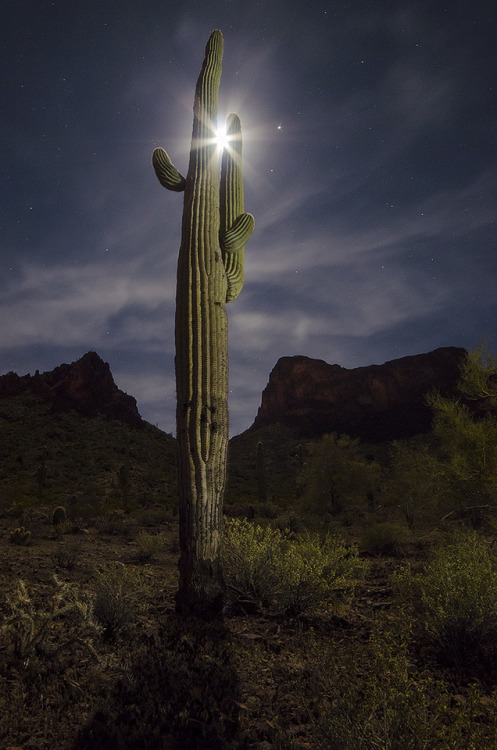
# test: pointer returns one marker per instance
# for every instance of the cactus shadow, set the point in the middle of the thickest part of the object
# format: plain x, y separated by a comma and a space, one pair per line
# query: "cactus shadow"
179, 691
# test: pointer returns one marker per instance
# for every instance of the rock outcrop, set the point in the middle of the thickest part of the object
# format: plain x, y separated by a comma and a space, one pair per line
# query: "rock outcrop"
375, 403
86, 386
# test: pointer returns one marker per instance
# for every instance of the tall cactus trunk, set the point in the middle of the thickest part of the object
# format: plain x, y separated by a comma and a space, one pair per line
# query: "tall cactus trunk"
210, 273
202, 356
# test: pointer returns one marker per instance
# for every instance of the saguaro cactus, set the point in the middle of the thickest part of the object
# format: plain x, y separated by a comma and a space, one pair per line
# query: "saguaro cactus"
210, 273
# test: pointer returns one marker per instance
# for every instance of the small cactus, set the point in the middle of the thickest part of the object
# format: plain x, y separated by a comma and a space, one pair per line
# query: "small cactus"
59, 515
21, 537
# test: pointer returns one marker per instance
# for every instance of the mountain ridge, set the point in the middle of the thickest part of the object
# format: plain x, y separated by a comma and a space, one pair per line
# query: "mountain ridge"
374, 403
86, 385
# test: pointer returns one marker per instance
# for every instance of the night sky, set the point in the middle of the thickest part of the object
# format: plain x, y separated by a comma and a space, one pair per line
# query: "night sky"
370, 165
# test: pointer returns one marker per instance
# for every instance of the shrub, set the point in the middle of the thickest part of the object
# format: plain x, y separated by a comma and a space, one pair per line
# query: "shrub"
28, 631
372, 697
336, 475
116, 525
67, 555
149, 546
116, 590
416, 481
248, 560
180, 692
290, 574
383, 539
309, 569
455, 599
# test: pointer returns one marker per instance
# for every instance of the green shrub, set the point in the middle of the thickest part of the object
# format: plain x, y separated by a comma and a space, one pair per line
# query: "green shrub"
149, 546
116, 591
116, 525
308, 570
455, 599
290, 574
373, 698
67, 555
415, 480
336, 476
383, 539
248, 560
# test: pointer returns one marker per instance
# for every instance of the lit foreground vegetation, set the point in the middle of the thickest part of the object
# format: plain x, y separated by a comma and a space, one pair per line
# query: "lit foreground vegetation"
323, 646
361, 613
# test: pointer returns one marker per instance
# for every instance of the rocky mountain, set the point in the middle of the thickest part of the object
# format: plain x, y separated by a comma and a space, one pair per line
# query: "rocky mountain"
85, 386
374, 403
70, 437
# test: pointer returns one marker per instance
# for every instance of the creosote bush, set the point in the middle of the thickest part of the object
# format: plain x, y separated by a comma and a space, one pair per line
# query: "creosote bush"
455, 600
116, 589
287, 573
149, 546
375, 698
383, 539
67, 555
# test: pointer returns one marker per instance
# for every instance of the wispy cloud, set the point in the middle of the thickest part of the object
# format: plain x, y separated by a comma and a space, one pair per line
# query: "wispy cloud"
75, 305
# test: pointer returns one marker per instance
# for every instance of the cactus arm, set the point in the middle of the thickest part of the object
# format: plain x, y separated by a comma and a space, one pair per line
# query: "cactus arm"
166, 172
236, 237
236, 226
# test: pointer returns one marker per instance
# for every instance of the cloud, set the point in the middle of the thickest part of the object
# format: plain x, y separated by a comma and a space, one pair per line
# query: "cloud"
154, 390
419, 99
76, 304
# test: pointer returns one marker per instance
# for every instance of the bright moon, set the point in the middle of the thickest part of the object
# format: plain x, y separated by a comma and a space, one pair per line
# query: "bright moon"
221, 138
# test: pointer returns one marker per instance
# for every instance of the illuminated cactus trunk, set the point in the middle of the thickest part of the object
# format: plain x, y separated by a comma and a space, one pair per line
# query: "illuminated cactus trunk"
210, 273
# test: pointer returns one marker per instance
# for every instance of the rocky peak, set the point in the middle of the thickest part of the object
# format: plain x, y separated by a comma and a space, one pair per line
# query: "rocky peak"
87, 386
375, 403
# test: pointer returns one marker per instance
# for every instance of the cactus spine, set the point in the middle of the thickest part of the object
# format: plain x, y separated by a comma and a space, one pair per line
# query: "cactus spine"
210, 273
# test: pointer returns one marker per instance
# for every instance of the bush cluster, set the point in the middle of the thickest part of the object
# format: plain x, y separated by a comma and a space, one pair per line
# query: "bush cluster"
149, 546
383, 539
372, 696
67, 555
454, 599
116, 591
286, 573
